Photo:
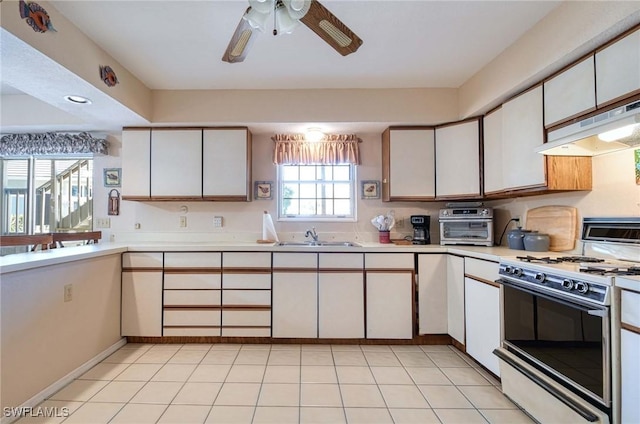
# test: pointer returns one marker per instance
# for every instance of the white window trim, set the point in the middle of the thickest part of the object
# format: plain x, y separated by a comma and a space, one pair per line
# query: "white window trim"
354, 200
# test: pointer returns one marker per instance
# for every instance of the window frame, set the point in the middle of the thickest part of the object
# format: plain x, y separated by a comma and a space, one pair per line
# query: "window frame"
309, 218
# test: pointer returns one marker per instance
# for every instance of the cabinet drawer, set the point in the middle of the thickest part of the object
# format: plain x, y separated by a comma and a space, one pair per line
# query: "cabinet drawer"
192, 297
295, 260
246, 281
388, 260
246, 318
341, 260
192, 281
246, 332
193, 260
246, 297
191, 317
142, 260
191, 331
483, 270
246, 260
630, 308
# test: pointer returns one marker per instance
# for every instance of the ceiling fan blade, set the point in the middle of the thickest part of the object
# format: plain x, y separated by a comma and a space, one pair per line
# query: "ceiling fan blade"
241, 42
324, 23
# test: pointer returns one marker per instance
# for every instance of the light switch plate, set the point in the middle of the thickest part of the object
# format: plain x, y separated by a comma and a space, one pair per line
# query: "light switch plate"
217, 222
103, 223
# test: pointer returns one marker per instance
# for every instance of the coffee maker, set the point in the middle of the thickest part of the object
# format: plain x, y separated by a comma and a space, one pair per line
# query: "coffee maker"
421, 225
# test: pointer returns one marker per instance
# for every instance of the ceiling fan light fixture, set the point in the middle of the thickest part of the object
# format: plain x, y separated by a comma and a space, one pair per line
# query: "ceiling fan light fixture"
284, 22
297, 8
262, 6
338, 36
243, 40
256, 19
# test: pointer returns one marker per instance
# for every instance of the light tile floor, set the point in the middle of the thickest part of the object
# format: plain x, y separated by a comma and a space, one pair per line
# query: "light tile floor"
230, 383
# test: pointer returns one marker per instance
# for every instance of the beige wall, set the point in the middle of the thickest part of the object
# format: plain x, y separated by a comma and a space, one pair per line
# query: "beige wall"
45, 338
571, 30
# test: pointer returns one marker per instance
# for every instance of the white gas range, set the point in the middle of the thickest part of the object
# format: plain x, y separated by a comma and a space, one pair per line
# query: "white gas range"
560, 322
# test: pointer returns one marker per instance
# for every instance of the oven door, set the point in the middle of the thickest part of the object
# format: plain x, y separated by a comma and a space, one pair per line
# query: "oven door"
566, 339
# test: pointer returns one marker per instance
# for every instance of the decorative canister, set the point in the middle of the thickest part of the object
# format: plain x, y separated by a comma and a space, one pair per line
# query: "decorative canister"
515, 238
536, 242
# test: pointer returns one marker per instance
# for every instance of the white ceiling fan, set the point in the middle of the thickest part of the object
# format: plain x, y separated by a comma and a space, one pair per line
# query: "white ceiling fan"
287, 15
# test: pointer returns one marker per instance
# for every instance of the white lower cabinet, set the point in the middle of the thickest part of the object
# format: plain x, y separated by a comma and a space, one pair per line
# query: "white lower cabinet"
142, 303
455, 297
629, 354
432, 294
341, 305
482, 316
142, 294
295, 305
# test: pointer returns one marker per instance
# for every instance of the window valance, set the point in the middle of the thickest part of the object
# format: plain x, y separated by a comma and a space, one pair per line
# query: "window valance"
293, 149
52, 144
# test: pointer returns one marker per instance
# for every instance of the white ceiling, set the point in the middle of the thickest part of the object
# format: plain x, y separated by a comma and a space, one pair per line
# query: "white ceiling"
179, 44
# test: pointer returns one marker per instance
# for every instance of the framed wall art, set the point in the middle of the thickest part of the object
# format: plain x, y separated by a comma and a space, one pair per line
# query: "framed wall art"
262, 190
112, 177
370, 189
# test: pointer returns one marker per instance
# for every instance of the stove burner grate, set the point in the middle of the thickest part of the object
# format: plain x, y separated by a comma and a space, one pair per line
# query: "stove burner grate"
632, 270
534, 259
578, 259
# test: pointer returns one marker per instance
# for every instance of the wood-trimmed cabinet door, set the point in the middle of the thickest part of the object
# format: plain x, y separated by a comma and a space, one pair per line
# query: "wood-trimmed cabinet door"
176, 164
629, 354
618, 69
482, 317
570, 93
136, 163
458, 160
142, 294
408, 164
432, 293
294, 304
226, 171
455, 298
492, 152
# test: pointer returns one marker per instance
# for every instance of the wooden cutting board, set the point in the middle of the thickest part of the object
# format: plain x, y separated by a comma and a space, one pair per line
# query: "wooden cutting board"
560, 222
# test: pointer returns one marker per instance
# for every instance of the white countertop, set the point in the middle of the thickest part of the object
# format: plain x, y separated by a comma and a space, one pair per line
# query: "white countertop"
631, 282
24, 261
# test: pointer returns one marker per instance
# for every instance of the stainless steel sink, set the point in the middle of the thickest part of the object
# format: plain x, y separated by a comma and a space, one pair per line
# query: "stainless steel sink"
318, 243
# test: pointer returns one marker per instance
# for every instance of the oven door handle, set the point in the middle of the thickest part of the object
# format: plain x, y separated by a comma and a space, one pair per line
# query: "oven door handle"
602, 313
557, 297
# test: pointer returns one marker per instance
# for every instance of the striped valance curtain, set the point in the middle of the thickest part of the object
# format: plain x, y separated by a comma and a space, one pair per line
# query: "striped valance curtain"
52, 144
293, 149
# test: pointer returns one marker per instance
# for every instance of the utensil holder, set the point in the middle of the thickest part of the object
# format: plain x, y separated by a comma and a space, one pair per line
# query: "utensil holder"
383, 237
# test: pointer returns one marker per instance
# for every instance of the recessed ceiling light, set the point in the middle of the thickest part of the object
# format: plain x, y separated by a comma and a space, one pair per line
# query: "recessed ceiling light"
78, 100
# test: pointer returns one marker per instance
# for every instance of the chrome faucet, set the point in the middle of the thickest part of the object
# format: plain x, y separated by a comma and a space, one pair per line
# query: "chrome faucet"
312, 233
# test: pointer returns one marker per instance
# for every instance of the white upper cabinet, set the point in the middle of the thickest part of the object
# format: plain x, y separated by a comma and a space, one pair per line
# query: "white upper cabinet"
522, 131
226, 171
176, 163
458, 160
408, 164
618, 69
570, 93
492, 125
136, 163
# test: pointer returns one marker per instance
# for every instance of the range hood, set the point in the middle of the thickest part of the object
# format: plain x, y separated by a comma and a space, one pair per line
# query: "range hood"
585, 138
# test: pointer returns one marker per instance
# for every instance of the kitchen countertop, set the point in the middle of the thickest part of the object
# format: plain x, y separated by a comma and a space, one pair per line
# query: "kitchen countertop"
631, 282
24, 261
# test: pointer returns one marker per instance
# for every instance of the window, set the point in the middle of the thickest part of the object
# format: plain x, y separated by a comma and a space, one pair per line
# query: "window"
46, 195
316, 192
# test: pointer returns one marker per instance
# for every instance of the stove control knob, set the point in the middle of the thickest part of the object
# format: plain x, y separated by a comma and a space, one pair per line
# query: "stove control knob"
567, 284
517, 272
582, 287
539, 277
508, 269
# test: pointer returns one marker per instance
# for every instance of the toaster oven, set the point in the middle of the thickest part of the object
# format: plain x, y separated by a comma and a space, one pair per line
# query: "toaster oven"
466, 225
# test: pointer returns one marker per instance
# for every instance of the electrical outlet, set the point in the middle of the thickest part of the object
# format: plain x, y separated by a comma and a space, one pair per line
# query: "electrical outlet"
400, 223
68, 293
183, 222
136, 226
103, 223
217, 222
